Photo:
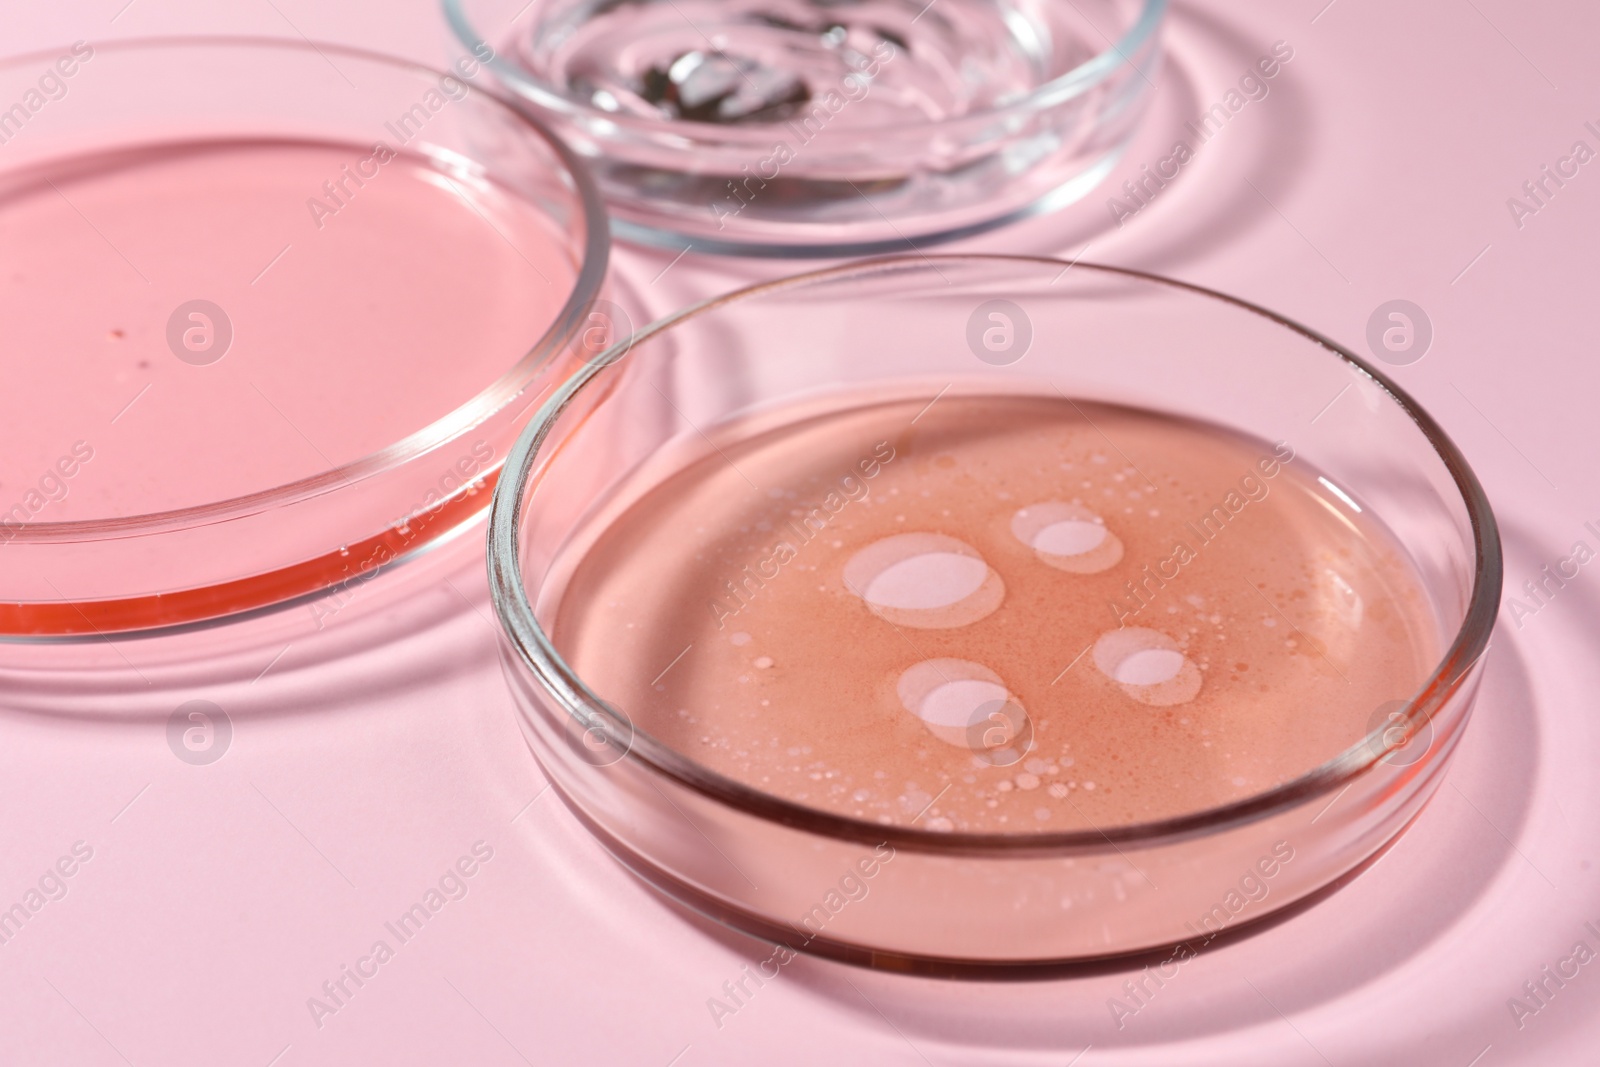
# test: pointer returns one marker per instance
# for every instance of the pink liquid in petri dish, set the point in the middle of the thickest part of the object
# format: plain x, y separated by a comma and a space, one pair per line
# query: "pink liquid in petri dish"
1012, 615
352, 325
190, 323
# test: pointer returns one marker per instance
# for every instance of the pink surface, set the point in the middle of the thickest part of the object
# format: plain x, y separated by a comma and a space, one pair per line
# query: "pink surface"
219, 898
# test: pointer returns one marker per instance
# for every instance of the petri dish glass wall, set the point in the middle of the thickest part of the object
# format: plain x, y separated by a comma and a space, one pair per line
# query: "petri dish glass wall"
926, 338
275, 312
821, 129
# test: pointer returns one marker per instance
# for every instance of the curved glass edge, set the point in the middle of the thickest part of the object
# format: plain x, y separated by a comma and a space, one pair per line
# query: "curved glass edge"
538, 655
288, 587
1068, 192
1064, 87
675, 890
497, 396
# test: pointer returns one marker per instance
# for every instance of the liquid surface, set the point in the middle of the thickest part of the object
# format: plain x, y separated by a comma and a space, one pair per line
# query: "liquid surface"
1004, 615
344, 313
749, 63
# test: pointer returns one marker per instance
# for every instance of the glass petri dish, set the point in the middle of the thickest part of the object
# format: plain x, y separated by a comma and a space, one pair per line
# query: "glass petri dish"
274, 310
811, 128
849, 610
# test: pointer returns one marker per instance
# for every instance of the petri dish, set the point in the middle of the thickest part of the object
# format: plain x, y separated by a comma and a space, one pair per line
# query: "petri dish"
983, 615
821, 129
274, 311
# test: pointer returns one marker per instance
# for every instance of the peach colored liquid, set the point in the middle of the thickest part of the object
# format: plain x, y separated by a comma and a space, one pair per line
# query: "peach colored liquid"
1011, 615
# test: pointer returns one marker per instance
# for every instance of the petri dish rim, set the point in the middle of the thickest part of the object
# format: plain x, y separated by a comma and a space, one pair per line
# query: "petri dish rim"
592, 266
1065, 86
537, 653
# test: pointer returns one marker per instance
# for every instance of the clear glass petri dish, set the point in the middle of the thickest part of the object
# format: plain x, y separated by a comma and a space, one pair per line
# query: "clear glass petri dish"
816, 129
716, 726
275, 312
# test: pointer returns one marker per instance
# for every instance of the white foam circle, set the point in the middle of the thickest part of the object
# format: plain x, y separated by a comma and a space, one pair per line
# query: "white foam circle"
963, 704
1148, 666
927, 582
1068, 537
924, 580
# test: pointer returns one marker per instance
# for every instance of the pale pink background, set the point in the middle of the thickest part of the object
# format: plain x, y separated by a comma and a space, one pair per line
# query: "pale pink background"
1379, 167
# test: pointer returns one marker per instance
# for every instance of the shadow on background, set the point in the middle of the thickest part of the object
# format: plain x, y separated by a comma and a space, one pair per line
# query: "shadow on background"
1234, 180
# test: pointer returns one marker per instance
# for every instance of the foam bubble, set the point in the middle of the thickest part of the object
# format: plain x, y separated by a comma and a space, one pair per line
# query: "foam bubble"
965, 704
924, 580
931, 580
1068, 537
1148, 666
958, 703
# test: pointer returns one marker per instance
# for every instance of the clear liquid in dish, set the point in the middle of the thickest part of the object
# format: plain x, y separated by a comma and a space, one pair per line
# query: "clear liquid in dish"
747, 63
